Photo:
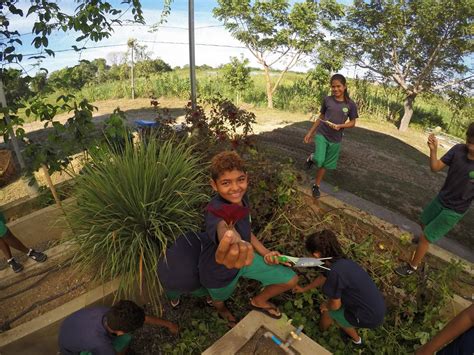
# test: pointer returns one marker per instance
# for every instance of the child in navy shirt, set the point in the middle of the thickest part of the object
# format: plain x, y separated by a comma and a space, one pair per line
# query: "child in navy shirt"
229, 180
354, 300
105, 330
452, 202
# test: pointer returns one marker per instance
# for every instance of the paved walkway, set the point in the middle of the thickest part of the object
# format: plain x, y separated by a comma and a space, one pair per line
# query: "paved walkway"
396, 219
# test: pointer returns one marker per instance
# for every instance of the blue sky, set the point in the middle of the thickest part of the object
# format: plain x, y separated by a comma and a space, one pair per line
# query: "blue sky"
208, 30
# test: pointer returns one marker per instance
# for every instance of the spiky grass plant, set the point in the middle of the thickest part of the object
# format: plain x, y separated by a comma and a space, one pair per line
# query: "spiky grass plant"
130, 206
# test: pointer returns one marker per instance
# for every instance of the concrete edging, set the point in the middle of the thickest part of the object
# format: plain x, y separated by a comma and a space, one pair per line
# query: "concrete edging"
237, 337
40, 226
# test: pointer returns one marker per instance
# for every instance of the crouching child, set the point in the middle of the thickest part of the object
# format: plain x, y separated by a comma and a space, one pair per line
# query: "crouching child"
105, 330
354, 300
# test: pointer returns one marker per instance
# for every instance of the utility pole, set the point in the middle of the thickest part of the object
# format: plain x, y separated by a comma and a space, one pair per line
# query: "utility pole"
32, 189
131, 44
192, 62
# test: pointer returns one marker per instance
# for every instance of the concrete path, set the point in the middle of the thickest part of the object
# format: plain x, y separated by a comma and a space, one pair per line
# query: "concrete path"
395, 219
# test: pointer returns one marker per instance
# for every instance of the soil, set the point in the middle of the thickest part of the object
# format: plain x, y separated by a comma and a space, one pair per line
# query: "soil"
259, 344
27, 299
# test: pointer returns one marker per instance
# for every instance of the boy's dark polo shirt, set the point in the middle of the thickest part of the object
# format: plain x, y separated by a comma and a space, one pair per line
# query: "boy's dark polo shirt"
212, 274
84, 331
363, 303
457, 192
178, 271
336, 112
462, 345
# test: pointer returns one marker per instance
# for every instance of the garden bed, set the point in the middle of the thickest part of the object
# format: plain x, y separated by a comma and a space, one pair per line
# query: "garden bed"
417, 306
282, 219
200, 326
40, 292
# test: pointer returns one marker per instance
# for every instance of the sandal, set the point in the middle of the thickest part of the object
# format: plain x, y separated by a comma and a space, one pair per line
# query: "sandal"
267, 310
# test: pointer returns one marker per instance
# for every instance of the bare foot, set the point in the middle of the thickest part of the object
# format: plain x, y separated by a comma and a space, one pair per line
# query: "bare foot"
226, 314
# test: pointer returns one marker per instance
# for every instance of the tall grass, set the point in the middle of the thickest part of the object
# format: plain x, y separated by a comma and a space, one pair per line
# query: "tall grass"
131, 206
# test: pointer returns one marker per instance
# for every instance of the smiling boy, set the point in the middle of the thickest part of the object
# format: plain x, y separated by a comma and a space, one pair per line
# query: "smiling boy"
230, 181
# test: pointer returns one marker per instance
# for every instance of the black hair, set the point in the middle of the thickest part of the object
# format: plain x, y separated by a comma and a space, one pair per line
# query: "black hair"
342, 79
470, 133
326, 243
125, 316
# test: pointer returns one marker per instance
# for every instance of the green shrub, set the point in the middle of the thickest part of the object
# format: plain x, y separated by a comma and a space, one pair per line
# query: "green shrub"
130, 206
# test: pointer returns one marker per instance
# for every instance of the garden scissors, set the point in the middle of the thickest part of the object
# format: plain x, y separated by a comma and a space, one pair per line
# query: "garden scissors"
304, 262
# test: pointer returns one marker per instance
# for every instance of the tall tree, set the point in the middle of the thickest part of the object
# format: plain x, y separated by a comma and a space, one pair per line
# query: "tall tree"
421, 45
276, 32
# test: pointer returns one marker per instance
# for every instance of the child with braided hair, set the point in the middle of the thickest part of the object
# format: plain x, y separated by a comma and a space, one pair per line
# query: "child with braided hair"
353, 298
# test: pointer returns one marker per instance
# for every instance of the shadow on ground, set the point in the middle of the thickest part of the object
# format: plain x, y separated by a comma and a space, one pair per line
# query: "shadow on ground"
373, 166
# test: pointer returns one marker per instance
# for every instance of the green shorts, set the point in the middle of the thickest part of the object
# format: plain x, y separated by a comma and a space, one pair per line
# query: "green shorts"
338, 316
119, 343
438, 220
326, 153
3, 226
174, 295
258, 270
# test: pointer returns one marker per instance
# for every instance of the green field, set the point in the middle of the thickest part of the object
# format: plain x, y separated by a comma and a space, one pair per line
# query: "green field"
296, 93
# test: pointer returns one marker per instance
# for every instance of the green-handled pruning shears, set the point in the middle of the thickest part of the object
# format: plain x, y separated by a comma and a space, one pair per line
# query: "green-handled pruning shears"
304, 262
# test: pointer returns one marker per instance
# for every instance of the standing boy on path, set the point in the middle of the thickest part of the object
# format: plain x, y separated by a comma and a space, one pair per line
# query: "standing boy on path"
452, 202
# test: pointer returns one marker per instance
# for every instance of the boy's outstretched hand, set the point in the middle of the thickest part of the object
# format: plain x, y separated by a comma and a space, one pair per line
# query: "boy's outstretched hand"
432, 142
173, 328
233, 252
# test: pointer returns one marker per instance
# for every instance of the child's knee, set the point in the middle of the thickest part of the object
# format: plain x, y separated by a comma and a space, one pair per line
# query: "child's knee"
218, 304
293, 282
424, 240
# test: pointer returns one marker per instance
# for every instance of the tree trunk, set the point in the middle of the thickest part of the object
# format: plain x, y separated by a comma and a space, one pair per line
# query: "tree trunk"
407, 112
268, 87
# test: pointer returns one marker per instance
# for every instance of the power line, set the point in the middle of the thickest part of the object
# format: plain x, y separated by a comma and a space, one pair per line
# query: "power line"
72, 49
124, 44
138, 25
197, 44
